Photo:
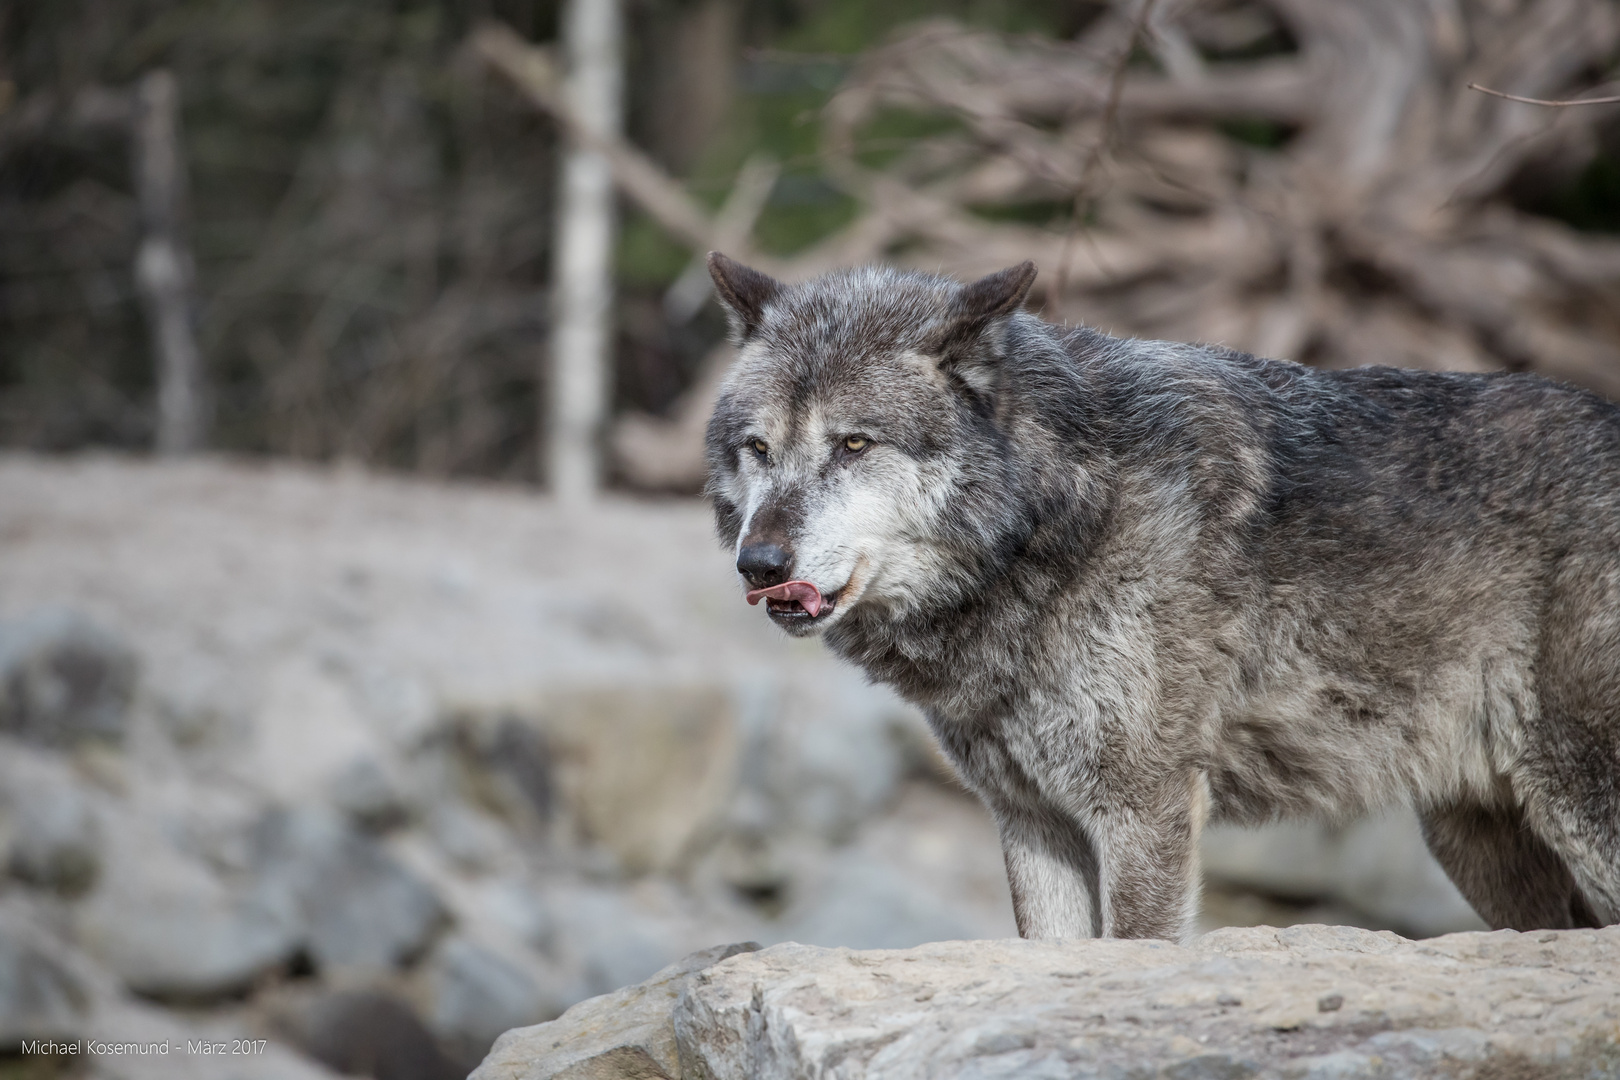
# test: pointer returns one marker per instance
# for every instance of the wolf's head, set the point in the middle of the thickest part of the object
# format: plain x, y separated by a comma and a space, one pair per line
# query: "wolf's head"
858, 458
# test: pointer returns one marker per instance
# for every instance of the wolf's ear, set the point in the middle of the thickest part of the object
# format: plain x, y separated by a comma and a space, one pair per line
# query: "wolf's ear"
997, 294
967, 352
744, 292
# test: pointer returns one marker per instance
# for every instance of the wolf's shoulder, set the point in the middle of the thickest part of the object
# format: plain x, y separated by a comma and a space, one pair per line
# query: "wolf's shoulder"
1336, 434
1375, 395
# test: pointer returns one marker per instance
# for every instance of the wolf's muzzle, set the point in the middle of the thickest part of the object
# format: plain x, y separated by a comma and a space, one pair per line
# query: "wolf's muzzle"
764, 564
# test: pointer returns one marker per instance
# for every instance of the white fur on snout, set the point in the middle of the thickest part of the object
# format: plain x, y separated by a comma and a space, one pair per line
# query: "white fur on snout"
754, 484
863, 525
749, 501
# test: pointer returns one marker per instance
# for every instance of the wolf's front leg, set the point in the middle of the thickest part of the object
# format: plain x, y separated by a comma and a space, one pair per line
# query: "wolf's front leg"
1149, 871
1052, 871
1119, 872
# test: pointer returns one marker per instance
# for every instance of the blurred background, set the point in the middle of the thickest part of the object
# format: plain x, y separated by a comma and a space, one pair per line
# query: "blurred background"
370, 682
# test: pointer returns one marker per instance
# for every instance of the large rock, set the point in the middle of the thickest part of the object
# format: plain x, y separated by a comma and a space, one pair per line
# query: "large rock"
356, 907
823, 754
928, 870
1307, 1002
168, 926
474, 994
41, 996
645, 767
627, 1034
365, 1032
63, 679
49, 813
608, 938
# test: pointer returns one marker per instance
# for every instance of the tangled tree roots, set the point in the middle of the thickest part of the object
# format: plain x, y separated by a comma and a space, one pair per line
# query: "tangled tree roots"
1378, 225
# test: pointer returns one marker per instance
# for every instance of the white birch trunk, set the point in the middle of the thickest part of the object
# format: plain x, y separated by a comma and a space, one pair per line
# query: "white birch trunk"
582, 275
163, 267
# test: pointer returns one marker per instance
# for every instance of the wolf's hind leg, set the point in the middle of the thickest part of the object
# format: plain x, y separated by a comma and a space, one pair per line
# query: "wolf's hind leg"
1566, 770
1510, 876
1578, 814
1052, 871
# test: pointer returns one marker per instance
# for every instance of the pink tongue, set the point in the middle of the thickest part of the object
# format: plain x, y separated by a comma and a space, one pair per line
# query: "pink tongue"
808, 596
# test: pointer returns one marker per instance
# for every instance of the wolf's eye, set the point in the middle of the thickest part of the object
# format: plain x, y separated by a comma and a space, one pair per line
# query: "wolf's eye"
759, 447
856, 443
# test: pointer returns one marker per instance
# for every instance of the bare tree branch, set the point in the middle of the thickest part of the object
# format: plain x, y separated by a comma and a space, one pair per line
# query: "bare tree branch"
533, 70
1540, 101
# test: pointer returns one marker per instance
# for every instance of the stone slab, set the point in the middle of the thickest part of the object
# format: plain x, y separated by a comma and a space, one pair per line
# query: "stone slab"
625, 1035
1308, 1002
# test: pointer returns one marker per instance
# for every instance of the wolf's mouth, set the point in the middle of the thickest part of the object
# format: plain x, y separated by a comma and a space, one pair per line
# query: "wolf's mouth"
795, 601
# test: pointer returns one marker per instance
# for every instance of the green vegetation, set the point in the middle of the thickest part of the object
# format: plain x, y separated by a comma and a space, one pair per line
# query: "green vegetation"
1591, 202
647, 257
849, 27
799, 54
1254, 131
1049, 212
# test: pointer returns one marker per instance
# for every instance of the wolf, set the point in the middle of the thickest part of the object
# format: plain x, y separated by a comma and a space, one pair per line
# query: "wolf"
1138, 585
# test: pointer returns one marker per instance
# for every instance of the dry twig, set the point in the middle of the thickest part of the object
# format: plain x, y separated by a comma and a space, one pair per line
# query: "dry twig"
1541, 101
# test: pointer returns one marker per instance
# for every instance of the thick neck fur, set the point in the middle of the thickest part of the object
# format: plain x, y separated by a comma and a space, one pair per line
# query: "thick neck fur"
1054, 494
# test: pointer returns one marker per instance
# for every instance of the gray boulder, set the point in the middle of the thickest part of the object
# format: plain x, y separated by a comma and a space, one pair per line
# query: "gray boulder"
55, 838
626, 1034
1306, 1002
474, 994
41, 997
63, 679
367, 1032
355, 906
1303, 1003
863, 902
825, 750
167, 926
49, 820
599, 933
822, 753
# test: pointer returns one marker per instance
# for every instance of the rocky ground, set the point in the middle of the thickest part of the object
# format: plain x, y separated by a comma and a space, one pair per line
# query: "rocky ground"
1303, 1003
374, 770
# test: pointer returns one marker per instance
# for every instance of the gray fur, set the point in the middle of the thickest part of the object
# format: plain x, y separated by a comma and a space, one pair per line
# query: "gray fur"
1135, 584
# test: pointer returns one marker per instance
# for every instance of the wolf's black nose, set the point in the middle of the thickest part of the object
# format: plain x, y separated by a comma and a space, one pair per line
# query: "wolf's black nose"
764, 564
